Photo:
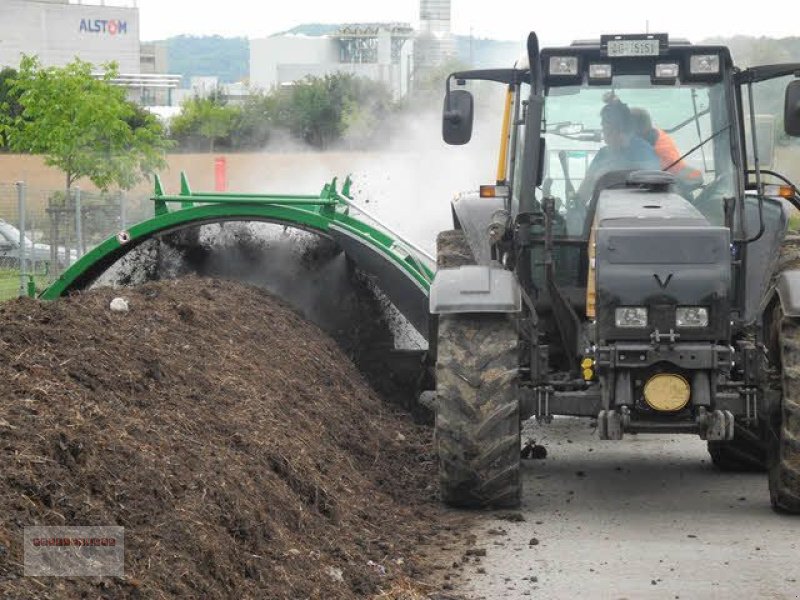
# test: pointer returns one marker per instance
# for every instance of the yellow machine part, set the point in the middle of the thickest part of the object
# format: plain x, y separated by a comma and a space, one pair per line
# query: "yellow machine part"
591, 283
667, 392
505, 136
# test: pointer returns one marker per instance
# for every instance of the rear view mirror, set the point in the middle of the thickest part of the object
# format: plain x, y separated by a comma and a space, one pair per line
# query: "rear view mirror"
457, 117
791, 109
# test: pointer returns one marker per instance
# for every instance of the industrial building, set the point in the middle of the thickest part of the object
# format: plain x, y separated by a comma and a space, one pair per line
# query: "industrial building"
387, 52
57, 32
434, 44
379, 51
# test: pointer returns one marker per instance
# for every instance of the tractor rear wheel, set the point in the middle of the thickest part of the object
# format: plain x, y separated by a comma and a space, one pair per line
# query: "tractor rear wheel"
745, 453
784, 433
478, 418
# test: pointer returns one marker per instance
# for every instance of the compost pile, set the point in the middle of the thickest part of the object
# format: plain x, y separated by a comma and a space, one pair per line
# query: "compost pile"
242, 452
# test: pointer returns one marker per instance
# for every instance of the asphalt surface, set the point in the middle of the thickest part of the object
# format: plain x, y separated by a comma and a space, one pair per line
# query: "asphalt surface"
647, 517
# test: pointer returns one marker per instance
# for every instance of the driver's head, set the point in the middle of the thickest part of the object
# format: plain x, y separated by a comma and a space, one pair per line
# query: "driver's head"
617, 123
643, 125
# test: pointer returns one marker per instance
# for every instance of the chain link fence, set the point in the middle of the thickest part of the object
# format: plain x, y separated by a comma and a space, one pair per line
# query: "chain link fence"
43, 231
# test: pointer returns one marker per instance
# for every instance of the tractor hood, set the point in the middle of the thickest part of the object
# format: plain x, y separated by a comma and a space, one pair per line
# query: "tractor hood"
654, 250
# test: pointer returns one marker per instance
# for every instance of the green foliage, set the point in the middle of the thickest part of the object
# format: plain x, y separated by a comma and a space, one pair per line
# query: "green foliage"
204, 120
255, 122
83, 125
325, 110
10, 108
319, 111
215, 56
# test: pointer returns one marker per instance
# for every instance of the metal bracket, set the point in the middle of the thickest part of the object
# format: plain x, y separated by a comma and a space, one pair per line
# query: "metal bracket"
656, 337
750, 395
720, 426
610, 423
542, 394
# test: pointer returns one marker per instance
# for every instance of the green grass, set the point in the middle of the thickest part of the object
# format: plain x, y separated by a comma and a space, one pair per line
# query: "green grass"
9, 283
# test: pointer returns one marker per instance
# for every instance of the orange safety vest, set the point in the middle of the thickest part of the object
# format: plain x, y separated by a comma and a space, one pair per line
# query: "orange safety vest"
668, 153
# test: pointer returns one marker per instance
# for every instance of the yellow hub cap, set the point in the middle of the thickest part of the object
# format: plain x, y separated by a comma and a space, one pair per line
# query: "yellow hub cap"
666, 392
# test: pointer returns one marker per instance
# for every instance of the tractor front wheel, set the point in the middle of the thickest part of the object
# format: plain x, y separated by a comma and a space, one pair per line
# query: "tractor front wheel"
784, 430
478, 418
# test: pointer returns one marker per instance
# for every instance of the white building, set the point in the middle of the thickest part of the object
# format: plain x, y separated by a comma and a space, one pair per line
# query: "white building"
378, 51
435, 44
58, 32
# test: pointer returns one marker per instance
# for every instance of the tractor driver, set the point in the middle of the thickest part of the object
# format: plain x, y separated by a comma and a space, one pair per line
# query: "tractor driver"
624, 149
665, 148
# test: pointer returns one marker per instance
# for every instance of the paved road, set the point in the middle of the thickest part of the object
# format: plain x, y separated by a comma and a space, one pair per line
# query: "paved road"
647, 517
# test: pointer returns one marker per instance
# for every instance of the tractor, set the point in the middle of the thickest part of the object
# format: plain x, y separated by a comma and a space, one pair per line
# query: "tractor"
651, 298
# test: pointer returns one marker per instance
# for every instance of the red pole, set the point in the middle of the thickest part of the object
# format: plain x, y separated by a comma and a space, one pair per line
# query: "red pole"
220, 174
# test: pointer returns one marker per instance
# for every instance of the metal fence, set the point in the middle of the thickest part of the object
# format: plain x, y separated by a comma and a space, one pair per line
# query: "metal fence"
43, 231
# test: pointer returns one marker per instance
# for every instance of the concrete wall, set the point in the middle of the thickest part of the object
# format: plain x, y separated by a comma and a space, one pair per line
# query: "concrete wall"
58, 32
299, 172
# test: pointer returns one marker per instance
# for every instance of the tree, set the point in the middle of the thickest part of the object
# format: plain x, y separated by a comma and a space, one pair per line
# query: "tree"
209, 119
83, 125
9, 102
321, 109
255, 122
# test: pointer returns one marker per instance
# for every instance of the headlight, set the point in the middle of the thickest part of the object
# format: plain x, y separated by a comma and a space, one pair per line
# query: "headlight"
704, 64
666, 71
631, 316
691, 316
564, 65
597, 71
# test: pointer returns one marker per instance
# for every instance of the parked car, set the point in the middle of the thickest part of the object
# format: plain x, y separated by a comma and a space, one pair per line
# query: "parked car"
36, 252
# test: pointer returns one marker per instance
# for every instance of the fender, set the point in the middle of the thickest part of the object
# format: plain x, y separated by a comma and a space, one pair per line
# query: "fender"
475, 289
788, 288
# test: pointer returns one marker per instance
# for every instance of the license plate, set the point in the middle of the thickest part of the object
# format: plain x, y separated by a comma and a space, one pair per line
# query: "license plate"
633, 47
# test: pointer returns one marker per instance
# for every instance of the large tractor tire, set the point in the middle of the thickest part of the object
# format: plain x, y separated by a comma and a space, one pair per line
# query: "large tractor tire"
478, 419
747, 452
784, 434
452, 250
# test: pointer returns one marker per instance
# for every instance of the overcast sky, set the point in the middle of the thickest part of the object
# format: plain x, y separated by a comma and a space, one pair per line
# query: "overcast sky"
500, 19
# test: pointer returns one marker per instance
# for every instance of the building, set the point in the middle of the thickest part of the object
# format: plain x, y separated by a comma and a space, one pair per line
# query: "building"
390, 52
435, 44
378, 51
58, 32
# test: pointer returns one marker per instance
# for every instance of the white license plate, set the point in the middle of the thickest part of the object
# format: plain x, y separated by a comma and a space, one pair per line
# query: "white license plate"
633, 47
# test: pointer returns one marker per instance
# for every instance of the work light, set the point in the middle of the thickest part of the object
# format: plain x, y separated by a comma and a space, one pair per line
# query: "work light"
600, 71
704, 64
691, 316
564, 65
630, 316
666, 71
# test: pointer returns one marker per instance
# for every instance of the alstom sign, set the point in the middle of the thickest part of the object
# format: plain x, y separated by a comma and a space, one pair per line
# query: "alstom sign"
104, 26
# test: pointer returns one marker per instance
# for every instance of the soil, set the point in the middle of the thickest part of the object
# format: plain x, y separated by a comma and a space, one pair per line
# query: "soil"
240, 449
